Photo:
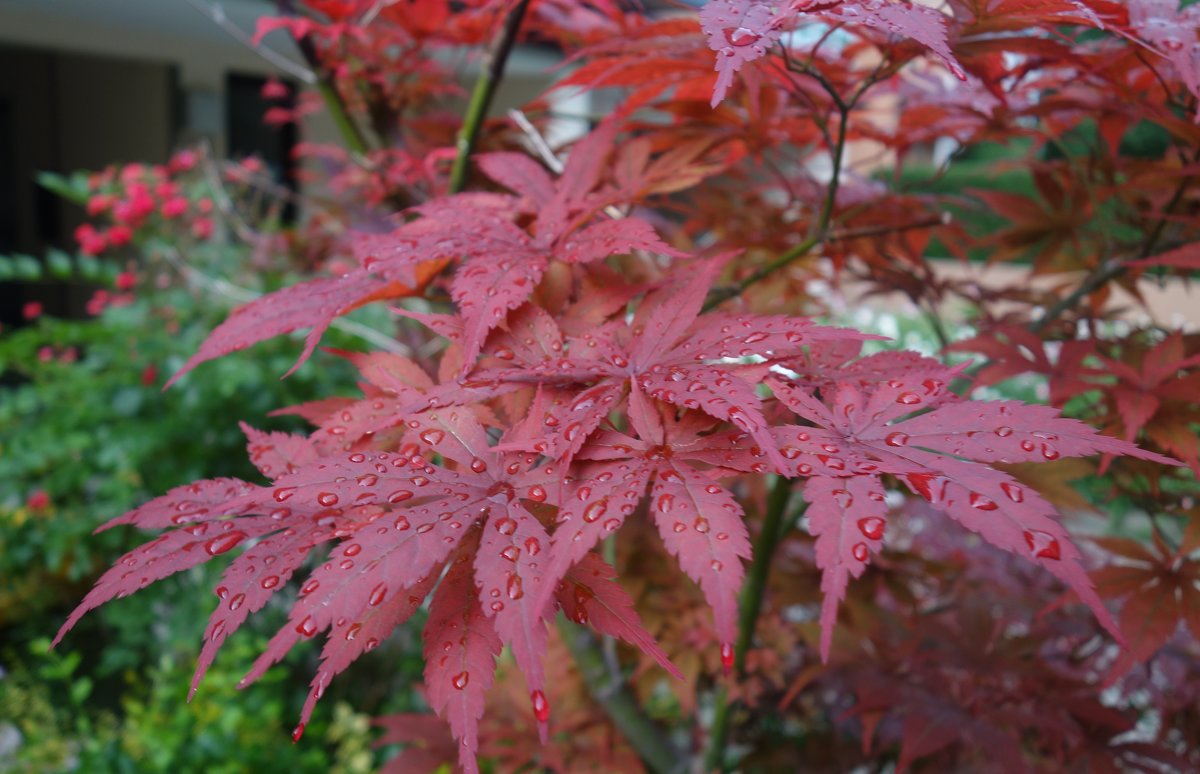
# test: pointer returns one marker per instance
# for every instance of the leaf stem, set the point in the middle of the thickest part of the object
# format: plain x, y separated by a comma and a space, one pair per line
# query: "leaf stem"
748, 611
327, 88
642, 733
820, 230
490, 74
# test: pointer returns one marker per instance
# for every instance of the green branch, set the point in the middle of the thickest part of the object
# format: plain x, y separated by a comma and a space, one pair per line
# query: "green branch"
820, 231
748, 611
355, 140
490, 74
642, 734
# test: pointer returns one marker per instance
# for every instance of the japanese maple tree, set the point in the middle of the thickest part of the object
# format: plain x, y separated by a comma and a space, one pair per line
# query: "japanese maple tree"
623, 399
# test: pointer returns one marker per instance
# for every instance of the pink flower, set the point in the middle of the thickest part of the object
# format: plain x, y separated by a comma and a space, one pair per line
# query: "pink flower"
45, 354
38, 500
98, 204
95, 305
202, 228
32, 310
275, 89
119, 235
126, 280
174, 207
132, 173
149, 376
183, 161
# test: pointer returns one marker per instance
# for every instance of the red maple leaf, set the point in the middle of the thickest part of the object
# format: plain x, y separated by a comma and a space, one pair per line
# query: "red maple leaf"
741, 31
699, 520
1161, 590
861, 431
666, 351
503, 262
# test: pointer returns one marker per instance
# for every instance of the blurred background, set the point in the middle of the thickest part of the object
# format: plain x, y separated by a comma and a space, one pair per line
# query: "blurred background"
155, 116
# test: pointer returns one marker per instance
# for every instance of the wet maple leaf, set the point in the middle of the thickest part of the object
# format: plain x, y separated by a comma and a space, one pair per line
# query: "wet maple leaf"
1153, 396
700, 522
861, 432
502, 262
742, 31
667, 351
1160, 586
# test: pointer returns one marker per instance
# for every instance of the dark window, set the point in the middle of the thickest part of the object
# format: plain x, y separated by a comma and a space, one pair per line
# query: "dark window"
247, 134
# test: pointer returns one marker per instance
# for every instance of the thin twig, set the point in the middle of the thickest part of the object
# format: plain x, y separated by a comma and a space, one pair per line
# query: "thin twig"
642, 734
326, 85
748, 611
540, 146
216, 12
491, 72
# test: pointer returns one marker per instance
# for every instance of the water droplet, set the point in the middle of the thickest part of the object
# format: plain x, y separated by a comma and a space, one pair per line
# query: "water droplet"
541, 709
367, 479
460, 680
283, 493
478, 465
433, 436
307, 627
222, 592
327, 499
860, 552
532, 546
700, 524
928, 485
514, 587
908, 398
740, 418
270, 582
872, 527
843, 498
595, 510
1004, 431
739, 37
1042, 545
310, 586
1027, 445
572, 431
510, 553
896, 439
223, 543
982, 503
1049, 452
354, 549
377, 595
353, 631
237, 601
1014, 492
297, 732
665, 503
